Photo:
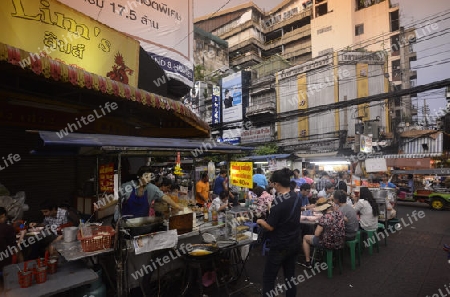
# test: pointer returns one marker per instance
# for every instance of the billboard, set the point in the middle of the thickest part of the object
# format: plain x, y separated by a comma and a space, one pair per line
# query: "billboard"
163, 29
49, 28
232, 98
216, 105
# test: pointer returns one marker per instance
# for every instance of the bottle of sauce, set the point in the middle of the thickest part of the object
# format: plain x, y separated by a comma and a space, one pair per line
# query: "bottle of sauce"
215, 218
205, 214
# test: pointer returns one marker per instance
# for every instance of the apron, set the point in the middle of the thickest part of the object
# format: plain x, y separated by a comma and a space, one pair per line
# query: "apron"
136, 206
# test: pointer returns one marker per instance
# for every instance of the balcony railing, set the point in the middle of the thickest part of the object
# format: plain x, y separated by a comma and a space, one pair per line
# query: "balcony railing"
262, 108
249, 56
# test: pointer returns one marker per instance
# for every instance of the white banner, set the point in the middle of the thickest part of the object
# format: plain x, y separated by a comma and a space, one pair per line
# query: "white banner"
261, 134
163, 29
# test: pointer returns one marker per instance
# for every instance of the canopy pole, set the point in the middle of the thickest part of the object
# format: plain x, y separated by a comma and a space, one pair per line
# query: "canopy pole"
120, 263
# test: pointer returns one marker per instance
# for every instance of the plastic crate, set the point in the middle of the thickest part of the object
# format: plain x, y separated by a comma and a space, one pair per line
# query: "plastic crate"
101, 237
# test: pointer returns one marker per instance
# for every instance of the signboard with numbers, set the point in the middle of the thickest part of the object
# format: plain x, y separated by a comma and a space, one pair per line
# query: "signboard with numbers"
241, 174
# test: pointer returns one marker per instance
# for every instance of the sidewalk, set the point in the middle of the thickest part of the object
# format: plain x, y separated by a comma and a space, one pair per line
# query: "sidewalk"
412, 264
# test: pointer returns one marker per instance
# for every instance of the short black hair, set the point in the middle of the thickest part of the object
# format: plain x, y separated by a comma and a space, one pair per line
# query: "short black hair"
328, 186
342, 186
305, 172
48, 204
340, 195
203, 175
258, 190
224, 194
282, 176
258, 170
174, 186
144, 169
166, 182
223, 171
305, 187
2, 211
292, 185
296, 170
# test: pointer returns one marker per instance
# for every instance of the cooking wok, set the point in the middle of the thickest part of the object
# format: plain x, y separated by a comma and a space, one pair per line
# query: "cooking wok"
144, 225
201, 251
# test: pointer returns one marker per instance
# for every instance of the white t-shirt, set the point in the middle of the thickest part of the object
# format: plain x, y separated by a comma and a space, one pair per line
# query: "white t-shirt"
367, 220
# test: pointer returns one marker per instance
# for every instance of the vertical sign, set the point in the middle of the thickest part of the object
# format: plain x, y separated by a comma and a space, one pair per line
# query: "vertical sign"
241, 174
303, 123
232, 98
106, 178
216, 105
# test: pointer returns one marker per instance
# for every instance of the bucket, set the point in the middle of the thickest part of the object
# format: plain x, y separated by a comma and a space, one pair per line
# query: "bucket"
70, 234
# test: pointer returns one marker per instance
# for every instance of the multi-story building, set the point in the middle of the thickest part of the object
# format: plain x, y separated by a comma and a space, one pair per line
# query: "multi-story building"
369, 25
254, 36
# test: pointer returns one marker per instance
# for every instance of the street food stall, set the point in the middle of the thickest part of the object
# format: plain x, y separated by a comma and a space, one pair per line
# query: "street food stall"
136, 242
430, 186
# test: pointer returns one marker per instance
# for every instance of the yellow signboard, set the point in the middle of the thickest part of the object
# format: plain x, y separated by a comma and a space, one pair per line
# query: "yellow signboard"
362, 85
303, 122
49, 28
241, 174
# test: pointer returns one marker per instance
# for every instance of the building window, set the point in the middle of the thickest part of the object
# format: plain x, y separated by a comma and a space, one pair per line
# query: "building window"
395, 22
396, 71
321, 9
395, 45
411, 48
412, 83
359, 29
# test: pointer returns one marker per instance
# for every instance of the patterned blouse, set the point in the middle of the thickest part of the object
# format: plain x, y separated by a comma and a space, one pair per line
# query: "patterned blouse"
333, 234
261, 204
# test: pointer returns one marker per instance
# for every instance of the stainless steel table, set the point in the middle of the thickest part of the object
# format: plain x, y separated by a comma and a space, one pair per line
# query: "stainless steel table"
72, 251
68, 276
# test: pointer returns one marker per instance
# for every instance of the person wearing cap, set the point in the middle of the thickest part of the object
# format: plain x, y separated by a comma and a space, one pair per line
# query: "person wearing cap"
283, 225
350, 218
329, 233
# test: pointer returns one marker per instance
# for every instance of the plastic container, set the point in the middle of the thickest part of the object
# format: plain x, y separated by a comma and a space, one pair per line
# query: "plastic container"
70, 234
25, 278
40, 274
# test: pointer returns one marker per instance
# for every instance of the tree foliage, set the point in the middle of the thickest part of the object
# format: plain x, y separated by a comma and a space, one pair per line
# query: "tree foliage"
267, 149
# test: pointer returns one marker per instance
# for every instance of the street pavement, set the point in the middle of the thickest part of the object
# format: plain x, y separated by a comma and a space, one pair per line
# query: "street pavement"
412, 264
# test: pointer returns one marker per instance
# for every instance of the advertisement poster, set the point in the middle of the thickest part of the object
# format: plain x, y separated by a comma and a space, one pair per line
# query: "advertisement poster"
51, 29
365, 144
106, 178
232, 98
241, 174
216, 105
163, 29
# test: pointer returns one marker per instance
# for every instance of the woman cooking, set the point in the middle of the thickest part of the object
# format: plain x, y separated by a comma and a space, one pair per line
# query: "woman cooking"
137, 196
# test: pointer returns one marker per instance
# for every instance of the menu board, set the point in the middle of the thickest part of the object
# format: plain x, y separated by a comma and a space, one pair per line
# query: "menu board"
106, 178
241, 174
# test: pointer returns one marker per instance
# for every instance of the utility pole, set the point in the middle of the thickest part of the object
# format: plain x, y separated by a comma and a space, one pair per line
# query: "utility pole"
425, 110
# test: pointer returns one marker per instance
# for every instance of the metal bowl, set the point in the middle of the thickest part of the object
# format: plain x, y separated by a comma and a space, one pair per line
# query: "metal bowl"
203, 250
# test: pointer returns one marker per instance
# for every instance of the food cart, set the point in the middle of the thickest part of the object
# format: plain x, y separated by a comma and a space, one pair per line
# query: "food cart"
386, 198
128, 239
429, 187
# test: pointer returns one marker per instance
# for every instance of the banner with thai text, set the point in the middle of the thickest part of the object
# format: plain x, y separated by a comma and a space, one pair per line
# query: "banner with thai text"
241, 174
163, 28
49, 28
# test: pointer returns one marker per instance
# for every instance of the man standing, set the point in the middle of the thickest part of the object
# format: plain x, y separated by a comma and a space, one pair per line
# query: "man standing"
297, 178
221, 184
260, 179
283, 225
202, 190
323, 181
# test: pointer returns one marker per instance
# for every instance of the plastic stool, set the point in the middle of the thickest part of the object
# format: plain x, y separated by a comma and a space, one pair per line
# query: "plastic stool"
352, 246
372, 234
265, 248
381, 227
330, 261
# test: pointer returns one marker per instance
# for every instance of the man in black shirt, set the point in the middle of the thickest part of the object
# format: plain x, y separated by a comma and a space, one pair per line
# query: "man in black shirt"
228, 100
284, 226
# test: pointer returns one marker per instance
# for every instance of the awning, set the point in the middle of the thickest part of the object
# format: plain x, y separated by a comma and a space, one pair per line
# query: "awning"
57, 71
412, 156
317, 156
416, 163
115, 143
265, 157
